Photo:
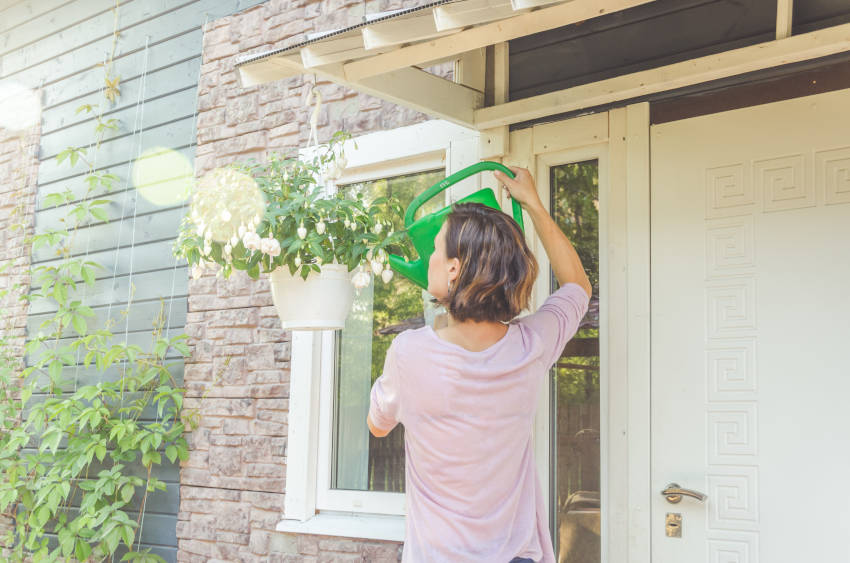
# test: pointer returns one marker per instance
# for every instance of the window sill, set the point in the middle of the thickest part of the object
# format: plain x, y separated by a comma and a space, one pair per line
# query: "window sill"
349, 525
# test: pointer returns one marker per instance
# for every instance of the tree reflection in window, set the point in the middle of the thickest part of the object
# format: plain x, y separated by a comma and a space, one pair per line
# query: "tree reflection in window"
575, 376
380, 312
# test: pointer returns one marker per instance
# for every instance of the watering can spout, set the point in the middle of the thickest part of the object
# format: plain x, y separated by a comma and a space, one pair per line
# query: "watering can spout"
414, 270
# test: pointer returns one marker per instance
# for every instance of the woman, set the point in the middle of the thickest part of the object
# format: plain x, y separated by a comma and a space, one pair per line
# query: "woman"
467, 393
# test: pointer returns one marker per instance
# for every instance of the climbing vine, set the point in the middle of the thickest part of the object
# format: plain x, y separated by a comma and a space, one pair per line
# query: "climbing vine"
77, 485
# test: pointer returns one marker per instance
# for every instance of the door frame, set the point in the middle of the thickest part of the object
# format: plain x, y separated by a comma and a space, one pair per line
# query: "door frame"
620, 139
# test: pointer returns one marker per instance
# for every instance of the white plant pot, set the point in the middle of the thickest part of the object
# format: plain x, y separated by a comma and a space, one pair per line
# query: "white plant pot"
321, 302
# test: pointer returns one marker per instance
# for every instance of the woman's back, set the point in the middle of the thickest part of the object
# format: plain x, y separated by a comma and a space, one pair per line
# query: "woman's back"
473, 493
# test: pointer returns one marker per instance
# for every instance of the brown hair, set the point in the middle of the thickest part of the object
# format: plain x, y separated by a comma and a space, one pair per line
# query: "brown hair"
497, 269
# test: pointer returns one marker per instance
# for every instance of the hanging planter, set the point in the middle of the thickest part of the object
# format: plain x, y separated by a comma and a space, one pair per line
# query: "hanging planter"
285, 217
319, 302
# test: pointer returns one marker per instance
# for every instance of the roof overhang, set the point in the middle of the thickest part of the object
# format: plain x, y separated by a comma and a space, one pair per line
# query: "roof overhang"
385, 55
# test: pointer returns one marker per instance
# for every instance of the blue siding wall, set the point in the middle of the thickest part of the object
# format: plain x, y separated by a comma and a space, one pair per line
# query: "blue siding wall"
56, 45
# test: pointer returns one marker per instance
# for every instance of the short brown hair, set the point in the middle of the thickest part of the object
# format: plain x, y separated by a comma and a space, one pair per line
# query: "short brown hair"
497, 269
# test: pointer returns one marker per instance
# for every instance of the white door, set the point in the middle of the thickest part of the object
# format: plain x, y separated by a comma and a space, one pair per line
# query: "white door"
750, 283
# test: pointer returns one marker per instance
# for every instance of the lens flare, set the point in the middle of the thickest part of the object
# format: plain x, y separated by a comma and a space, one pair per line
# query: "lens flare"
224, 200
163, 176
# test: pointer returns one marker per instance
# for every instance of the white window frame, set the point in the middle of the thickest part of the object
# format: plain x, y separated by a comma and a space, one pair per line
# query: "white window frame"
310, 506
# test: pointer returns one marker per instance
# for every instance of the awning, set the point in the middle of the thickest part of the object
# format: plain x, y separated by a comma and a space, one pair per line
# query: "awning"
385, 55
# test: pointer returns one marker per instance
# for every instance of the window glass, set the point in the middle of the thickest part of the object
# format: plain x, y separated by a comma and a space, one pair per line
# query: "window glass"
380, 311
575, 377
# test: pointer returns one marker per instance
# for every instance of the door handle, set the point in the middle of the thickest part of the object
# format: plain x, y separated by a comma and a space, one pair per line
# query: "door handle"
674, 493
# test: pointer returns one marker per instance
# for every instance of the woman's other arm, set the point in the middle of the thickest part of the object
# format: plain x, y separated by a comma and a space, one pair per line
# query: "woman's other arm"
563, 258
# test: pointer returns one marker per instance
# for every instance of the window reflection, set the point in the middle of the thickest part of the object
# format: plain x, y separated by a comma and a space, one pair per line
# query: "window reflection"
380, 311
575, 376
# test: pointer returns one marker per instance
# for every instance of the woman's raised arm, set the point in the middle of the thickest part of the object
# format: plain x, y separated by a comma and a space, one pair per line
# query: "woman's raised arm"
564, 259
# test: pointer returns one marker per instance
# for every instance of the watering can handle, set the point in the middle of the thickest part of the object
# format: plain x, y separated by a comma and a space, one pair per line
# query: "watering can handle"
454, 179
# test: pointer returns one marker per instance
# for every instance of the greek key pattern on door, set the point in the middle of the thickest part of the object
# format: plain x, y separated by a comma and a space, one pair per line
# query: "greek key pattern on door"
734, 193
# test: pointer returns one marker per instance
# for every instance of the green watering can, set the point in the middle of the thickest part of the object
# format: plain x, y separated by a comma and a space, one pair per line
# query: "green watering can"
423, 232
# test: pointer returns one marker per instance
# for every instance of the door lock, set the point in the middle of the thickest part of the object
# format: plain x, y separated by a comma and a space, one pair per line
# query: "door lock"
674, 525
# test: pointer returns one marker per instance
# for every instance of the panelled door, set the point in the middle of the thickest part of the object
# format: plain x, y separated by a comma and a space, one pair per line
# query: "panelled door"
750, 332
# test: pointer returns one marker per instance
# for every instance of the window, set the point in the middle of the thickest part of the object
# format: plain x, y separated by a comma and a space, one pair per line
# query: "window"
574, 204
359, 461
340, 480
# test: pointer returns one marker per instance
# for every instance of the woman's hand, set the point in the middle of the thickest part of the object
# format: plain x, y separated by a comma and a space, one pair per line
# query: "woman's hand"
521, 187
563, 257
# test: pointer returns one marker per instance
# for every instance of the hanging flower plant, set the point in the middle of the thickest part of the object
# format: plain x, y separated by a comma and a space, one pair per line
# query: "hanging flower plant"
287, 213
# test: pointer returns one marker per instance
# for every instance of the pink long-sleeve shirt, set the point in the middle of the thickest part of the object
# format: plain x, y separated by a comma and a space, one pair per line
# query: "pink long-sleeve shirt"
473, 494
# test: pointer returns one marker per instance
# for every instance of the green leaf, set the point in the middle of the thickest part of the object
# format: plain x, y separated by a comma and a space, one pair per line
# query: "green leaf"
161, 347
171, 452
88, 275
127, 532
99, 213
26, 393
66, 541
42, 515
82, 550
55, 370
79, 324
113, 539
127, 492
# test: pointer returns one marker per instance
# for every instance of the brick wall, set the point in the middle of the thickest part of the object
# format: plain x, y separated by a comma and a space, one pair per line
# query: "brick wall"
231, 493
18, 180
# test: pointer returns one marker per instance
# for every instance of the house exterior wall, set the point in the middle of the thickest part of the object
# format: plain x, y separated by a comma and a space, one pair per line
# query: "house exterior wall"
232, 485
54, 48
18, 173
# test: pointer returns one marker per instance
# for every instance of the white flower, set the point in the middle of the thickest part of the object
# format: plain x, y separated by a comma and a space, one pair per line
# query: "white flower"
269, 246
251, 240
387, 275
227, 248
347, 223
207, 247
297, 261
377, 228
225, 215
342, 161
320, 227
234, 240
369, 254
360, 279
240, 232
381, 256
377, 267
302, 232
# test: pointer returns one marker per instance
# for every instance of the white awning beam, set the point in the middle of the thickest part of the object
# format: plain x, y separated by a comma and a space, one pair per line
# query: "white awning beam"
403, 30
471, 12
798, 48
270, 69
408, 87
488, 34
